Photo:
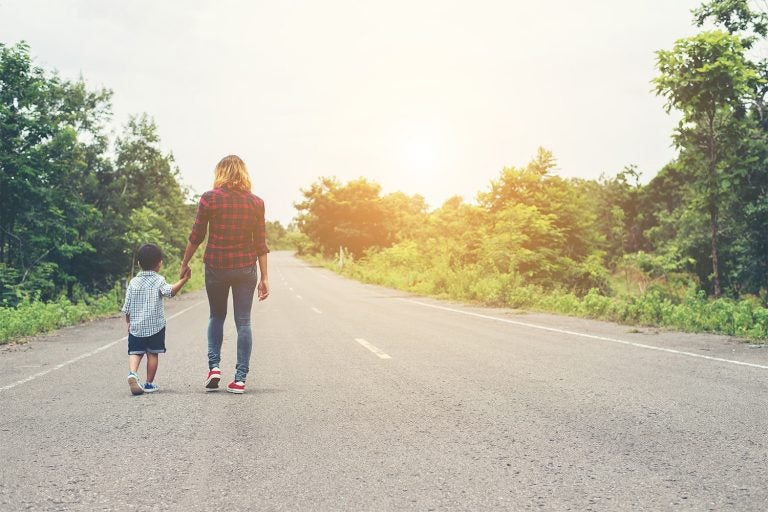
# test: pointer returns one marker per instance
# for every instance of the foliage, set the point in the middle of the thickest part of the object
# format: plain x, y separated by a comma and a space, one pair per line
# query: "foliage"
736, 16
73, 206
354, 215
541, 227
612, 248
621, 216
708, 78
686, 309
280, 238
537, 241
50, 134
30, 317
71, 213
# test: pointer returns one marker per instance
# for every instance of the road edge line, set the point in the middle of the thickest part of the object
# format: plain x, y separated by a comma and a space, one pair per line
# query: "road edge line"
583, 335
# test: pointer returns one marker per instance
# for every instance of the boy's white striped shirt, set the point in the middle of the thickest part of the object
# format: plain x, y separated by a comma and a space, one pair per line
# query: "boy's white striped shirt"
144, 303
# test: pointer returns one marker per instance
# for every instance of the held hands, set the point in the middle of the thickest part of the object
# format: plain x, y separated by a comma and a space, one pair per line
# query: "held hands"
185, 271
263, 289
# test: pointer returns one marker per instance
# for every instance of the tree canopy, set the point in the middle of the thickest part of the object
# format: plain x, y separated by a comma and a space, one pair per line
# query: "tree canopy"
73, 206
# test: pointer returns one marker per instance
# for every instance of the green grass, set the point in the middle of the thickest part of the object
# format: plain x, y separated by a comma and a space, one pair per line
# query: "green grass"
31, 317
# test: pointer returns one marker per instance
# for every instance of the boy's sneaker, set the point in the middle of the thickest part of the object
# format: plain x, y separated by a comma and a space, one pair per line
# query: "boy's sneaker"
134, 384
149, 387
236, 387
212, 382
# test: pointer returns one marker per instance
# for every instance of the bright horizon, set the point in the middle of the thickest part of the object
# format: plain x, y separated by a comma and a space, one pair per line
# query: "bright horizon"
423, 97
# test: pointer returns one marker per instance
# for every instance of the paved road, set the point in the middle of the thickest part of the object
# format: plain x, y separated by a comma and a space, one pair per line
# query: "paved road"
363, 398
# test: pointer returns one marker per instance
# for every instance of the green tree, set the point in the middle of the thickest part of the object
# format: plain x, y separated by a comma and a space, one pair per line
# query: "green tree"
736, 16
276, 235
69, 211
709, 80
455, 230
50, 131
406, 215
676, 231
747, 239
619, 211
146, 177
352, 216
542, 227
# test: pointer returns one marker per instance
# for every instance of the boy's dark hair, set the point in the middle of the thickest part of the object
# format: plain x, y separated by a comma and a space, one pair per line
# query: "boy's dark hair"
149, 255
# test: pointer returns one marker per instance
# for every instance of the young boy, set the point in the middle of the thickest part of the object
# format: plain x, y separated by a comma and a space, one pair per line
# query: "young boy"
145, 316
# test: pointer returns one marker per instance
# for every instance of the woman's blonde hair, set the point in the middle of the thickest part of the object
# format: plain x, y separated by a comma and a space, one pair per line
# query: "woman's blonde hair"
232, 172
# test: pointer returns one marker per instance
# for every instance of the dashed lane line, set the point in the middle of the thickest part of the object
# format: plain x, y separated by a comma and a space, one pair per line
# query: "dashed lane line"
83, 356
591, 336
317, 311
372, 348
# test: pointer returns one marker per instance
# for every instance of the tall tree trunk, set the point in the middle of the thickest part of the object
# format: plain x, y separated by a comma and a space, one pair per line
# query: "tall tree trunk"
713, 201
715, 265
3, 221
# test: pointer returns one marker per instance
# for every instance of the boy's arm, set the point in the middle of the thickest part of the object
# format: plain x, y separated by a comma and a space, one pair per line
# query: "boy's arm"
127, 306
178, 285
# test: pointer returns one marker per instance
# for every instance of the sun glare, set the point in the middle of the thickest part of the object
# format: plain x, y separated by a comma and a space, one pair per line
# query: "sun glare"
418, 158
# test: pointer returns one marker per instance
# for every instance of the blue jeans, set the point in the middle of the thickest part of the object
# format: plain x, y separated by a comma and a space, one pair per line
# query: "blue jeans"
243, 282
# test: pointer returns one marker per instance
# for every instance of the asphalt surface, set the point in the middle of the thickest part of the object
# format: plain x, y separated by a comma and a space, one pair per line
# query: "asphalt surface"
364, 398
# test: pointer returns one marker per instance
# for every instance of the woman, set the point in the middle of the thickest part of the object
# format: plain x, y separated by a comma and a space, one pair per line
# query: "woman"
234, 218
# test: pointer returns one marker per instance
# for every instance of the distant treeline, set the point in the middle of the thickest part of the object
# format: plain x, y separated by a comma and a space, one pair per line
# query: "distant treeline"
701, 223
75, 203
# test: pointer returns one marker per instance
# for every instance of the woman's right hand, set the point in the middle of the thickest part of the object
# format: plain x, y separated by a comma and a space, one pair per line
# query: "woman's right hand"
263, 289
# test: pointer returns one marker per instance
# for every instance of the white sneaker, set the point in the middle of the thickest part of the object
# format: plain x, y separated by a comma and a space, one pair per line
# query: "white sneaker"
134, 384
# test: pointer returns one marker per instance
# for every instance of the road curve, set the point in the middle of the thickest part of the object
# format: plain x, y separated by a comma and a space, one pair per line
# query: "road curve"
365, 398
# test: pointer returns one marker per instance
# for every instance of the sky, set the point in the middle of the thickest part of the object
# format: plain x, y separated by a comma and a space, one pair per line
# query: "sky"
433, 97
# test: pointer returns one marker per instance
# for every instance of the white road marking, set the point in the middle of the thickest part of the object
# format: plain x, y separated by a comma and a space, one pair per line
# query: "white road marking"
83, 356
299, 297
591, 336
290, 288
185, 310
317, 311
372, 348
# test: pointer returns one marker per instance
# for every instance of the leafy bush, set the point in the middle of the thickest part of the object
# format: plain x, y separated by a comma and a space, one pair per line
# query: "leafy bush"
32, 317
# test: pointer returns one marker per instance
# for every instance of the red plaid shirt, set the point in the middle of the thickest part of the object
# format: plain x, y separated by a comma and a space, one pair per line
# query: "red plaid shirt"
235, 219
